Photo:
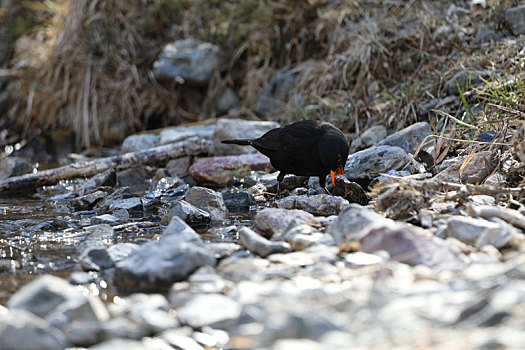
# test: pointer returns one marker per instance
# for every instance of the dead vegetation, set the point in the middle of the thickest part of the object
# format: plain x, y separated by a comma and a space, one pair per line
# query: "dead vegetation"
358, 63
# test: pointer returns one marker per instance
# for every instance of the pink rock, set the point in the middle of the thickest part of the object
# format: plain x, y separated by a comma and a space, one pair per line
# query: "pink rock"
218, 170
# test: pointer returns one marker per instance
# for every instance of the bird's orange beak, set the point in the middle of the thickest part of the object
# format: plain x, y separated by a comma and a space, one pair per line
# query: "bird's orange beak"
338, 171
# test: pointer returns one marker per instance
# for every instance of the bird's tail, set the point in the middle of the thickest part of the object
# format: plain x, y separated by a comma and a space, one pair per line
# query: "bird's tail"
238, 142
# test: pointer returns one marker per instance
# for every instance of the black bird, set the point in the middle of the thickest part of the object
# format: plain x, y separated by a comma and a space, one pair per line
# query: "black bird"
306, 147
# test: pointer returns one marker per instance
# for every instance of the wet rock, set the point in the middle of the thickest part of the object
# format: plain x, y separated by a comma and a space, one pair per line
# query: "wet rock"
349, 190
411, 245
162, 184
260, 245
367, 164
133, 204
179, 166
139, 142
320, 204
304, 236
88, 201
275, 96
514, 18
275, 221
14, 166
172, 258
209, 201
479, 232
226, 100
181, 231
188, 61
214, 310
136, 177
20, 329
107, 219
370, 137
97, 236
97, 259
218, 170
187, 212
237, 200
180, 133
480, 166
289, 182
229, 129
354, 223
465, 79
410, 138
149, 311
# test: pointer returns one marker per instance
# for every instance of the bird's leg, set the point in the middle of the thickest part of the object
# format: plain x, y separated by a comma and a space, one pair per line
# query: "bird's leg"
280, 178
322, 183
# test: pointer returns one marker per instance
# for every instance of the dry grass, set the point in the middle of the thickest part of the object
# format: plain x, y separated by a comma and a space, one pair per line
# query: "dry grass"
358, 62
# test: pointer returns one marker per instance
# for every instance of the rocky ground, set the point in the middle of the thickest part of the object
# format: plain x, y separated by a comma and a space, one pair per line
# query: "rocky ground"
422, 261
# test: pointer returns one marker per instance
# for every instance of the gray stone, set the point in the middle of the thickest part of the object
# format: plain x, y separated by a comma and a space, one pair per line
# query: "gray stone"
22, 330
209, 201
214, 310
106, 219
369, 163
139, 142
159, 263
411, 245
275, 95
320, 204
370, 137
180, 133
124, 344
479, 232
179, 230
292, 344
360, 259
97, 259
310, 256
97, 236
514, 17
240, 269
150, 311
354, 223
226, 100
80, 319
123, 327
275, 221
180, 341
260, 245
237, 200
133, 204
43, 295
349, 190
228, 129
476, 171
410, 138
14, 166
179, 166
188, 61
465, 79
187, 212
79, 316
485, 34
87, 201
289, 182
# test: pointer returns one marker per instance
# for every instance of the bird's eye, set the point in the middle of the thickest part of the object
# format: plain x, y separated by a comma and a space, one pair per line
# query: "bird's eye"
339, 157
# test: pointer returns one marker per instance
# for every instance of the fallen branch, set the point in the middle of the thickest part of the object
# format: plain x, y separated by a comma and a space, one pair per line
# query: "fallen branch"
191, 146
